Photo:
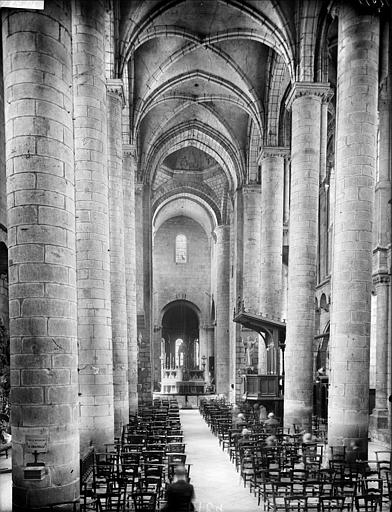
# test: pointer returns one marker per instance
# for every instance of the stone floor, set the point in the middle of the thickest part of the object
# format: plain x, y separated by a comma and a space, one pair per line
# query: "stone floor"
216, 482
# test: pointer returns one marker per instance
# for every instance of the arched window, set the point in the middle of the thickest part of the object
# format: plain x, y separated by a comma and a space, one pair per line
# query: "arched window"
179, 353
181, 249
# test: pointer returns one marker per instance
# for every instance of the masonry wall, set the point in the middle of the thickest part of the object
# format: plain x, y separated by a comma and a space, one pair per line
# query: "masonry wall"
172, 281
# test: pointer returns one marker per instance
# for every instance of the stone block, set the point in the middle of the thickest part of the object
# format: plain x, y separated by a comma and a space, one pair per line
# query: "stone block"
27, 395
28, 326
61, 327
43, 272
45, 376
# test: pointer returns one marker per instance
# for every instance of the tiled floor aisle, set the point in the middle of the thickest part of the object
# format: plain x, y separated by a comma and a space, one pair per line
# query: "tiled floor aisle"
216, 482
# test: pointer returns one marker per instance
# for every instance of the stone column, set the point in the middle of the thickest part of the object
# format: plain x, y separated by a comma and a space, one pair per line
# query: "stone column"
145, 333
129, 171
382, 232
324, 137
251, 247
140, 298
41, 237
381, 283
208, 344
356, 142
272, 161
115, 99
305, 100
236, 289
251, 197
222, 341
92, 226
272, 194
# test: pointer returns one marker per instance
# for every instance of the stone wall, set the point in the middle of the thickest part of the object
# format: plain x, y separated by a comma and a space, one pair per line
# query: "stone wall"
174, 281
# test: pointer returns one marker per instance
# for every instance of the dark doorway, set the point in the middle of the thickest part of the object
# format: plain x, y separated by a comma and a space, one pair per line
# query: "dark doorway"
180, 330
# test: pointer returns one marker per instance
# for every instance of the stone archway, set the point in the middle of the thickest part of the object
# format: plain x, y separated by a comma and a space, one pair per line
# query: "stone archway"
180, 322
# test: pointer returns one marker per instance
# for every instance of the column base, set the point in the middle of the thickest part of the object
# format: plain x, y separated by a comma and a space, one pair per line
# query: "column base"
378, 426
298, 414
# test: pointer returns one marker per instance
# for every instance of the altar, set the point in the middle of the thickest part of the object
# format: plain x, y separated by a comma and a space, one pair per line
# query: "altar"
182, 381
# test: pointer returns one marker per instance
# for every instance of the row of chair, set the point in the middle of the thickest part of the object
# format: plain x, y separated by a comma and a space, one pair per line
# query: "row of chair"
289, 475
131, 473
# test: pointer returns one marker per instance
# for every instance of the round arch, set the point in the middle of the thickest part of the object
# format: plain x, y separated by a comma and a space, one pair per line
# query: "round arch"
188, 205
180, 335
175, 303
201, 137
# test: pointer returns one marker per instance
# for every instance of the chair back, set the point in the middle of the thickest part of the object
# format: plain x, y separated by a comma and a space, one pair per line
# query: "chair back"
144, 501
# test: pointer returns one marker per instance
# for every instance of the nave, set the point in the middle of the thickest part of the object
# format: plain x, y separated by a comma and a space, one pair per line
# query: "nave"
217, 484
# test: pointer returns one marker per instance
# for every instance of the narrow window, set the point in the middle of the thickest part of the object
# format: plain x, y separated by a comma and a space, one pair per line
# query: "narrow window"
181, 249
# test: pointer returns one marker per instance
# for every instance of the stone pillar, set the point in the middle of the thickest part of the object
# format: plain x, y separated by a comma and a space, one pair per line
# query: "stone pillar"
145, 334
140, 298
356, 137
251, 197
41, 237
262, 367
115, 99
203, 343
222, 342
92, 226
236, 290
381, 283
305, 100
272, 194
208, 347
382, 232
129, 171
324, 137
251, 247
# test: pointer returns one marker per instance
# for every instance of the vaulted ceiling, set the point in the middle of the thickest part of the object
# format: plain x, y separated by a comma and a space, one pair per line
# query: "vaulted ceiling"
207, 84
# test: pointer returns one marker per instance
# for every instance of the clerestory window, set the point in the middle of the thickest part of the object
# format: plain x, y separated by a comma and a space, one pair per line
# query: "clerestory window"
181, 249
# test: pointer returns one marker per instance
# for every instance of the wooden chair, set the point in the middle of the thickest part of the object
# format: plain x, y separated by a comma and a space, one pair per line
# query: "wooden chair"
295, 503
373, 487
383, 460
176, 458
331, 503
144, 501
246, 465
280, 490
114, 499
364, 503
338, 453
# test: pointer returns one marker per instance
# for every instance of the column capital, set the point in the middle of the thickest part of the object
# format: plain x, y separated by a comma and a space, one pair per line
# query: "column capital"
381, 278
139, 187
221, 227
115, 87
273, 151
373, 6
365, 6
129, 150
317, 89
251, 188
